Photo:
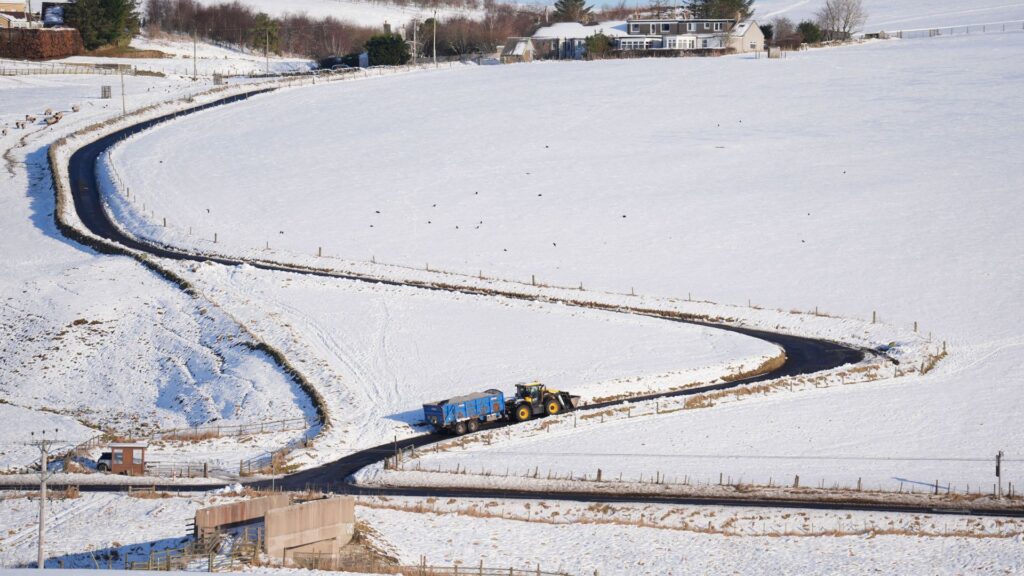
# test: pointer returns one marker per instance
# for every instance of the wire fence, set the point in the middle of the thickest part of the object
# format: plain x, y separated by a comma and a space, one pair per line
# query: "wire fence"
990, 28
207, 431
19, 68
373, 565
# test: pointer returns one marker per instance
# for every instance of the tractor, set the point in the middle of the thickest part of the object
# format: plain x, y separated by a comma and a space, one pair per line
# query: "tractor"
534, 399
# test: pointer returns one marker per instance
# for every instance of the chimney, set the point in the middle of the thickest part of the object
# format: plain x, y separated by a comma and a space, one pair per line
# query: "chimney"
387, 27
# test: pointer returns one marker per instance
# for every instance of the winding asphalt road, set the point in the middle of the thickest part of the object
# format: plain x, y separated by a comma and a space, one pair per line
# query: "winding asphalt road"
803, 356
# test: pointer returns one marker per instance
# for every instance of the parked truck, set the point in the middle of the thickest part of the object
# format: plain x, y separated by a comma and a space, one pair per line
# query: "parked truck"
464, 414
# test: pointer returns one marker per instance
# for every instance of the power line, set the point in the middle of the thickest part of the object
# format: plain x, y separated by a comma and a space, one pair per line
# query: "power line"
45, 445
747, 456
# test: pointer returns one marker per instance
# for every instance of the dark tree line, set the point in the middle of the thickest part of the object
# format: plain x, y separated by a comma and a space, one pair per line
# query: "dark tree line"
238, 24
460, 36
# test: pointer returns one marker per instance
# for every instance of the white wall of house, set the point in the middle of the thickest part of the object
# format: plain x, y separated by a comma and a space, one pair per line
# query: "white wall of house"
751, 39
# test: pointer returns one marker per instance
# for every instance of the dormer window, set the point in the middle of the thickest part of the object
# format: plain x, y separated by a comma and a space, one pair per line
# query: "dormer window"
635, 28
666, 27
718, 26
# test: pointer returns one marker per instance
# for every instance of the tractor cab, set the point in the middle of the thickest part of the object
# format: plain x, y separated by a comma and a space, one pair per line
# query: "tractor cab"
532, 392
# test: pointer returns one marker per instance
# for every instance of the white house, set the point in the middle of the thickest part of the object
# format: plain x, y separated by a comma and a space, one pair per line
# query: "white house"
567, 40
685, 32
679, 32
746, 36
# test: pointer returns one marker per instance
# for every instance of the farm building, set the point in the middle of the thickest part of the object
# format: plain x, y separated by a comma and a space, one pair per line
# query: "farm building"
128, 458
517, 50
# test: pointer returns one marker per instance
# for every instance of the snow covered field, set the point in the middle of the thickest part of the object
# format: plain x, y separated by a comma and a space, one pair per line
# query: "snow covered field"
903, 14
908, 231
549, 194
887, 232
210, 59
619, 539
659, 540
379, 353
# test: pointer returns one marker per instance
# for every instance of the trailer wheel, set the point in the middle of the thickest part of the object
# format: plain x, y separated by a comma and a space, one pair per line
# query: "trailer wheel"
551, 406
102, 467
460, 428
523, 412
473, 425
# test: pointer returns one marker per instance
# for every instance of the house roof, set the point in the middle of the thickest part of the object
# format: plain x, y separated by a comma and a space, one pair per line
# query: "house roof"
517, 47
741, 28
577, 30
141, 444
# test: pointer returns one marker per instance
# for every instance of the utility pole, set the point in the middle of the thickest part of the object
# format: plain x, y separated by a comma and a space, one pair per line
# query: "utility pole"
194, 75
999, 473
415, 50
44, 474
266, 50
434, 43
124, 109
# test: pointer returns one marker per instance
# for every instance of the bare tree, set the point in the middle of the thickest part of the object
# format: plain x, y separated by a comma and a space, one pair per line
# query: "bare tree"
783, 27
839, 19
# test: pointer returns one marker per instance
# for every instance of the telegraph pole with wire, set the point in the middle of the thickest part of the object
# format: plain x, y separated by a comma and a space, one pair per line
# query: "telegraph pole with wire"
194, 74
45, 445
999, 473
266, 50
124, 109
434, 43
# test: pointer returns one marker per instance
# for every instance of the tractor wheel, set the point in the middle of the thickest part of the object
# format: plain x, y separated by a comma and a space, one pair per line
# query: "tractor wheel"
523, 412
460, 428
473, 425
551, 406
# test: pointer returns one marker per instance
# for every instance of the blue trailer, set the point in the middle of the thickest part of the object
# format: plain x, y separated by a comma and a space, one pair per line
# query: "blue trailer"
464, 414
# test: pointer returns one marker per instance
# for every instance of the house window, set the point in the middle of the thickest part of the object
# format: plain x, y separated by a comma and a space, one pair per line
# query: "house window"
718, 26
704, 43
118, 457
654, 28
692, 27
137, 457
666, 27
707, 25
753, 45
635, 27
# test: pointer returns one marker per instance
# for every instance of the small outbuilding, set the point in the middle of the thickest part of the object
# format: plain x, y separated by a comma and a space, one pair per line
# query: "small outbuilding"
128, 458
517, 50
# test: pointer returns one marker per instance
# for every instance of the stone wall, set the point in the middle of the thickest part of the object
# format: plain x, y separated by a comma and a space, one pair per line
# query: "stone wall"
319, 526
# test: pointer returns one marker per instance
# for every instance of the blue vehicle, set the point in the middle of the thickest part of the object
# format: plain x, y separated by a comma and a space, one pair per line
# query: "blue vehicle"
464, 414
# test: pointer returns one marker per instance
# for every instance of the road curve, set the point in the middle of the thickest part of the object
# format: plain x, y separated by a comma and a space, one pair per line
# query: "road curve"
803, 356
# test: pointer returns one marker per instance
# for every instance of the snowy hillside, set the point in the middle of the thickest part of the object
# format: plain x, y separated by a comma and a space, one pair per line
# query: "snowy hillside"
903, 14
361, 12
98, 339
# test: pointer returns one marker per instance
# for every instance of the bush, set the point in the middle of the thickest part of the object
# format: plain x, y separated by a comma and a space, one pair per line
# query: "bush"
598, 45
810, 31
387, 50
